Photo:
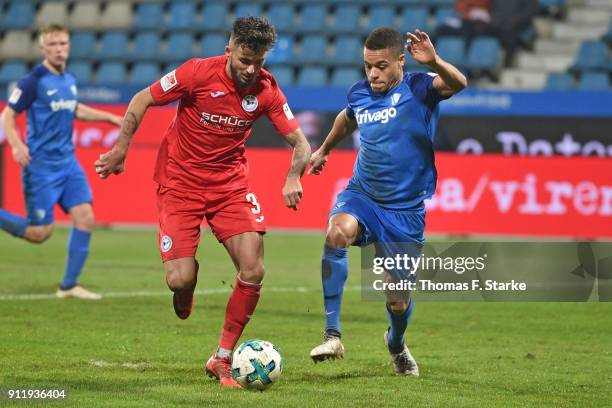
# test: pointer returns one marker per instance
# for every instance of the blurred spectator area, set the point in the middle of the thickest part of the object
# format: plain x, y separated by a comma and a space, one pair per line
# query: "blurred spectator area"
566, 45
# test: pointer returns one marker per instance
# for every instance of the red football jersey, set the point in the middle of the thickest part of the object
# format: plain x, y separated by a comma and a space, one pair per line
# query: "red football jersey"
203, 147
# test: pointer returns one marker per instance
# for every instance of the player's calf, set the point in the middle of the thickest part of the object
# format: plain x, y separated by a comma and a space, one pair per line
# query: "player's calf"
182, 280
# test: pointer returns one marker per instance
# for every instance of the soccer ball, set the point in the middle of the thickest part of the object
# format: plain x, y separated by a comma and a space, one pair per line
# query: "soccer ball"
256, 364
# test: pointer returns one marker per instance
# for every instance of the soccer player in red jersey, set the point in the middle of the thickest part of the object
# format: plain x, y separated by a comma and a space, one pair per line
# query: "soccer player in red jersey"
202, 172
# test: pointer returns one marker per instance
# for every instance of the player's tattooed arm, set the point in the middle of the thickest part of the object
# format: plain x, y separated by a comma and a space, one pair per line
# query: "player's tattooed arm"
343, 126
113, 162
449, 80
292, 190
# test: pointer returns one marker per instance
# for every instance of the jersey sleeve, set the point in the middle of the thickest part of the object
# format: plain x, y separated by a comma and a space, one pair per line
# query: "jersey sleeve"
421, 85
24, 94
279, 112
174, 85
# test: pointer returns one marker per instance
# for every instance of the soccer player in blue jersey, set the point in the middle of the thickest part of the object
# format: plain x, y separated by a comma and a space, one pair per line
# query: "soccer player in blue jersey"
51, 173
396, 114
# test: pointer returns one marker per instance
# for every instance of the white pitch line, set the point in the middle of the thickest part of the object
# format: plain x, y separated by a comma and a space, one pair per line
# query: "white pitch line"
48, 296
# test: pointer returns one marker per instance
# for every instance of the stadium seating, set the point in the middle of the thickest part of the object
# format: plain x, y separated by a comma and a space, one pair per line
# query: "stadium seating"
52, 12
213, 44
283, 74
453, 49
146, 46
312, 76
149, 16
214, 16
116, 15
312, 18
344, 77
383, 16
313, 34
145, 73
85, 16
247, 9
12, 71
594, 81
281, 15
111, 73
347, 51
346, 19
312, 50
179, 47
414, 17
282, 51
484, 55
19, 15
559, 81
182, 15
82, 70
83, 44
113, 46
592, 55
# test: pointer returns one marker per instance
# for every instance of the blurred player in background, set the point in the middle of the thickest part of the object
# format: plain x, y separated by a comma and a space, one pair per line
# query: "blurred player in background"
396, 114
51, 173
202, 171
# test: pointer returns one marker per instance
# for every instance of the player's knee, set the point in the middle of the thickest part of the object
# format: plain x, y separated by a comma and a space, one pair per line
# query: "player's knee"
398, 307
84, 221
38, 234
177, 278
338, 236
252, 274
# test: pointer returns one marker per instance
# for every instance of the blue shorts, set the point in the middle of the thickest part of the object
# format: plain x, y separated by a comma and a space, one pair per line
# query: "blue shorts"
392, 231
67, 187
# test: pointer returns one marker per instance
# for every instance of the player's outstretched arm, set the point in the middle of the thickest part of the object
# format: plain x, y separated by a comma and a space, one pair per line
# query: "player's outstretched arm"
343, 126
292, 190
449, 80
113, 162
19, 149
89, 114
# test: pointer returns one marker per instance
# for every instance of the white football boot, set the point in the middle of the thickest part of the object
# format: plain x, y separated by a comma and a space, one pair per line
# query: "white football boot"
78, 292
403, 363
330, 349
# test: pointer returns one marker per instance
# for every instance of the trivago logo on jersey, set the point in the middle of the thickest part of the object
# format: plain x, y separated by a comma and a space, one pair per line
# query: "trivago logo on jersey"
224, 122
381, 116
61, 104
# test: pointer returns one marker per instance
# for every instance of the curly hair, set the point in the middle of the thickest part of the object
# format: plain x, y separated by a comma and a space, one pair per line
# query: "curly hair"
385, 37
256, 34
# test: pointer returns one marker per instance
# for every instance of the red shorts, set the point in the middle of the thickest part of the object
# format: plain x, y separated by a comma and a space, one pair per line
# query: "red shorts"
181, 213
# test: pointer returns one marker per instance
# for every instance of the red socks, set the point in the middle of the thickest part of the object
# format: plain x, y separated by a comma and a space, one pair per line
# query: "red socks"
240, 307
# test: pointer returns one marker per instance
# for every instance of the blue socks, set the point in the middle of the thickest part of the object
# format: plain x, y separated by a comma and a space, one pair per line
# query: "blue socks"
334, 270
398, 324
78, 249
13, 224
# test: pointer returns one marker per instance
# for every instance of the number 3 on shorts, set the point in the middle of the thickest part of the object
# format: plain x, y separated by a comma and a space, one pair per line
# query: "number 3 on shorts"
257, 208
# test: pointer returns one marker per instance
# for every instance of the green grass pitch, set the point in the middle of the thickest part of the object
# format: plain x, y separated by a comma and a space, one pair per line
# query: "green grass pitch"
129, 350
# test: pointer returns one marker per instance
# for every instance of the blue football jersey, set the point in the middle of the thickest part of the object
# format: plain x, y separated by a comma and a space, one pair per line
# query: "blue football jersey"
395, 165
50, 101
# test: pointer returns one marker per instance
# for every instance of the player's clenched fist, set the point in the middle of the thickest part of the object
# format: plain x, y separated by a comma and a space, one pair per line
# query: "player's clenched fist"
292, 192
112, 162
317, 162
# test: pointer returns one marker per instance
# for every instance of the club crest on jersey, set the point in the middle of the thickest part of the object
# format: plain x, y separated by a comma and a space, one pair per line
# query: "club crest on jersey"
249, 103
166, 243
395, 98
168, 81
40, 214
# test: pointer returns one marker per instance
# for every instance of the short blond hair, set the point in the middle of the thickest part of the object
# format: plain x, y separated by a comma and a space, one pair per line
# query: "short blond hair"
51, 28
